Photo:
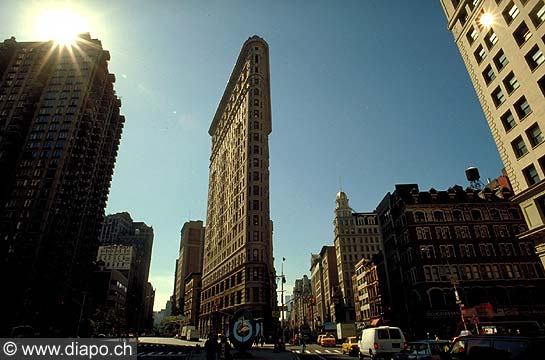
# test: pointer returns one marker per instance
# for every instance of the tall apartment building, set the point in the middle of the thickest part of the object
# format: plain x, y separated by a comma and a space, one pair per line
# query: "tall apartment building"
317, 288
356, 235
238, 271
189, 260
120, 229
303, 307
502, 44
59, 134
325, 287
437, 243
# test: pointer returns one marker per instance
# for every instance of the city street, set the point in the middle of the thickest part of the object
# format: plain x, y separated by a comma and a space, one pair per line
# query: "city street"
315, 351
161, 346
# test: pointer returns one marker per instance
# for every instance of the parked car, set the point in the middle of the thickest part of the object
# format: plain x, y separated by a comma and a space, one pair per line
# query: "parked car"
424, 350
497, 347
328, 340
350, 346
381, 342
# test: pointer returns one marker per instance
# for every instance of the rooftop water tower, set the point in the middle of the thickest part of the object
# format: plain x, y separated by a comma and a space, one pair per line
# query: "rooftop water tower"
472, 175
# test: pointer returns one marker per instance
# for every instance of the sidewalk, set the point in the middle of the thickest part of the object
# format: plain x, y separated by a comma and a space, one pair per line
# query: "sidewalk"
258, 354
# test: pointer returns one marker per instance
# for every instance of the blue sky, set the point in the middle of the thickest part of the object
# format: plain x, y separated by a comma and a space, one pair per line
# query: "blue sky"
365, 94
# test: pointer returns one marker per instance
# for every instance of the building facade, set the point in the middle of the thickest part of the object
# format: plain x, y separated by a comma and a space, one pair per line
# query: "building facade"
120, 229
302, 308
370, 290
445, 246
330, 289
189, 260
118, 257
60, 128
238, 271
148, 308
501, 43
192, 299
356, 236
317, 287
109, 297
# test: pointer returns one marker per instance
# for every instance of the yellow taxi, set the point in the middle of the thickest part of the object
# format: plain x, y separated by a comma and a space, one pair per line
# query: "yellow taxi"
319, 340
350, 346
328, 340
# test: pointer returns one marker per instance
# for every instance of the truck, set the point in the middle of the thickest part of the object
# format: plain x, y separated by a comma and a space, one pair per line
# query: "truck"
345, 330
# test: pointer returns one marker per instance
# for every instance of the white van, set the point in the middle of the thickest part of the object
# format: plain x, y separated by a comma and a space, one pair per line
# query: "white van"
381, 342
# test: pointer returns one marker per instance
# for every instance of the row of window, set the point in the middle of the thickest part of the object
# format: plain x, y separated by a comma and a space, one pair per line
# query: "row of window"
354, 257
510, 13
535, 137
480, 272
458, 215
468, 250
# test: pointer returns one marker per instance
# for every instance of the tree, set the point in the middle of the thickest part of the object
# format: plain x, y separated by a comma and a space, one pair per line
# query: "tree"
170, 325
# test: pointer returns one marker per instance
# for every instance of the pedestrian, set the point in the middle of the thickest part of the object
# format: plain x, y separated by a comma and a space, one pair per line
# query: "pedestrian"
303, 345
224, 349
262, 340
211, 347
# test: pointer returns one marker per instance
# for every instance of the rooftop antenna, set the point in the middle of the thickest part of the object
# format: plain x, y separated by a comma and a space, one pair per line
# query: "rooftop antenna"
472, 175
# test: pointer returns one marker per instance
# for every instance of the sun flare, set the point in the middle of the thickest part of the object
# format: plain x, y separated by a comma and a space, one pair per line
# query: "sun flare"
61, 26
487, 19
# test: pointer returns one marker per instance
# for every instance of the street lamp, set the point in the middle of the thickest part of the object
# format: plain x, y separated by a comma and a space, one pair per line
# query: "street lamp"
282, 281
453, 282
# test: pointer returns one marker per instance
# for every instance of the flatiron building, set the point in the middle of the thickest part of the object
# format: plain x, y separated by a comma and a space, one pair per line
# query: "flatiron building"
238, 268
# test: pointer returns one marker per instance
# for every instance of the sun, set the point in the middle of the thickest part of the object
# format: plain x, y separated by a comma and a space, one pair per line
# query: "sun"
61, 26
487, 19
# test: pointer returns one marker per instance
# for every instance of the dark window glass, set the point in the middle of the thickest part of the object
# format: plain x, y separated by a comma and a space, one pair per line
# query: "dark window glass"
531, 175
508, 121
519, 147
535, 57
500, 60
522, 34
535, 135
538, 13
522, 107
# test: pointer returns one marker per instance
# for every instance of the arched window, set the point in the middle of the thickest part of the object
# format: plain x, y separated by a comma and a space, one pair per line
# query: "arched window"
438, 216
457, 215
256, 91
476, 214
514, 214
419, 216
495, 214
437, 298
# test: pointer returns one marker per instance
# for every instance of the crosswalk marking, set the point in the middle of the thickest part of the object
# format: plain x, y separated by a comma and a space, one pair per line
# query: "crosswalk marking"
318, 351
